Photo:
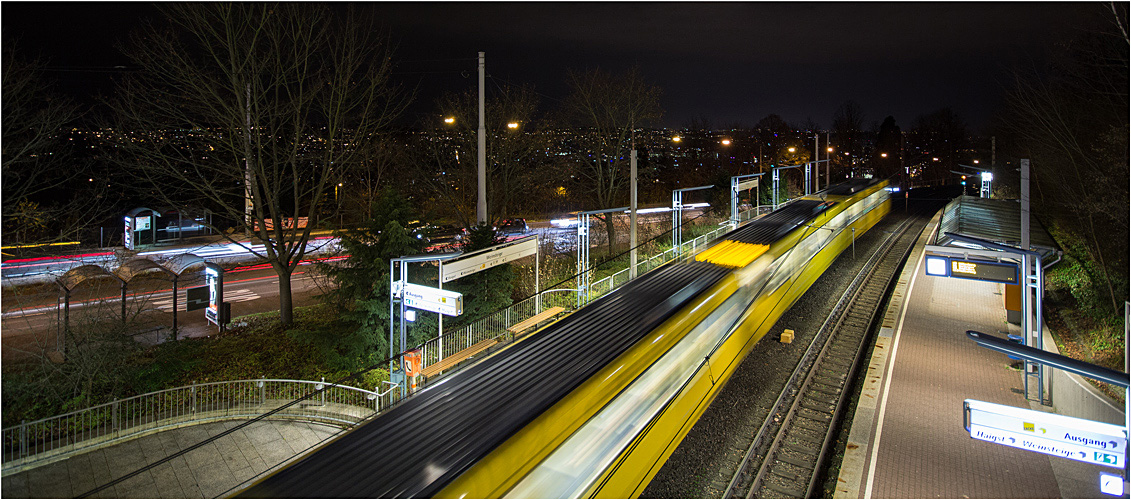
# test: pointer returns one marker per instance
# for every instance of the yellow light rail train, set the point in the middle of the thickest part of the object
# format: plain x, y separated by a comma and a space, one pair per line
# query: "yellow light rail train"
592, 405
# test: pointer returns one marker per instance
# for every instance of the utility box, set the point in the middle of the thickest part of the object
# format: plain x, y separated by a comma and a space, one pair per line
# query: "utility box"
787, 337
413, 363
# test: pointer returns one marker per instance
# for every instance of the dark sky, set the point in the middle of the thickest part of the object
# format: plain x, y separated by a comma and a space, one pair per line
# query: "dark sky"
731, 63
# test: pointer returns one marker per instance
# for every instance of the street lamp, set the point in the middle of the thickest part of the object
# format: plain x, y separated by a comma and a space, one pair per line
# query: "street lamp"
450, 120
792, 149
678, 138
726, 142
883, 155
512, 125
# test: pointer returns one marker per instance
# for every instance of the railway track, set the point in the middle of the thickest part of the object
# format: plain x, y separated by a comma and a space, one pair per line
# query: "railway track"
787, 454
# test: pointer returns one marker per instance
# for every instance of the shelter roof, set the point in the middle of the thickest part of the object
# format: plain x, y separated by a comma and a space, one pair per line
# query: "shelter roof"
998, 221
76, 275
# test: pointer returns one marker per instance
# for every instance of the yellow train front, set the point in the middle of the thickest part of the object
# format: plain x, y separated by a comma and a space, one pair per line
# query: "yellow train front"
592, 405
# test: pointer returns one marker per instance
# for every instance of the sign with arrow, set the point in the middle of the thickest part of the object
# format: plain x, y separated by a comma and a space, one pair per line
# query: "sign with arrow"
1075, 438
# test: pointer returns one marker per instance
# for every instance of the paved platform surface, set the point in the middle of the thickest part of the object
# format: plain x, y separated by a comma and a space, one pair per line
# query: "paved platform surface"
206, 472
908, 439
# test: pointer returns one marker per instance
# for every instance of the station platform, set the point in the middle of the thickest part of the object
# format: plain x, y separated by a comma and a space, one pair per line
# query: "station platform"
907, 438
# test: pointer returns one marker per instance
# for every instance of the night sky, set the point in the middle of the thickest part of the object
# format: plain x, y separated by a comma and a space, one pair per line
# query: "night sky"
730, 63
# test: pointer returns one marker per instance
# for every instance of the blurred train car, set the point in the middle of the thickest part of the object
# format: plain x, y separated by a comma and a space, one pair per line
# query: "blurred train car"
592, 405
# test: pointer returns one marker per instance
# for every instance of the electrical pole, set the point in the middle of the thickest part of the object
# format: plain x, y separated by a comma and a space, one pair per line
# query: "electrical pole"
632, 217
481, 205
817, 156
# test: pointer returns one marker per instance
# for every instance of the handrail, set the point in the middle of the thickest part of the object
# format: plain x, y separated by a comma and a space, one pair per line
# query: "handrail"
42, 441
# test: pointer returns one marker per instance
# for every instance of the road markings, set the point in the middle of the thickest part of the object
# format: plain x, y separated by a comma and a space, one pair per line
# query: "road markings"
241, 295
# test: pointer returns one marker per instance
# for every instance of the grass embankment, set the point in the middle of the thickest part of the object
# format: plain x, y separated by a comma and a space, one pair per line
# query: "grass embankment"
1079, 310
107, 369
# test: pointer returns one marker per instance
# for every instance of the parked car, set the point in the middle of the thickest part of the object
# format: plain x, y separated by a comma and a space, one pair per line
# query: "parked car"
447, 234
512, 227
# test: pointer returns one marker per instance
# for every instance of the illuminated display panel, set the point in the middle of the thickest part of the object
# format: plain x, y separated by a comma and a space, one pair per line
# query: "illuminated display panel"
984, 271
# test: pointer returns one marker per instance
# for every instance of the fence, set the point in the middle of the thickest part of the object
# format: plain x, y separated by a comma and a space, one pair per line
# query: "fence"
495, 325
30, 443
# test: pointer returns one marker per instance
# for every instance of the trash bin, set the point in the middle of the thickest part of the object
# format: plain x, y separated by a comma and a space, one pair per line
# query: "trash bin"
1016, 339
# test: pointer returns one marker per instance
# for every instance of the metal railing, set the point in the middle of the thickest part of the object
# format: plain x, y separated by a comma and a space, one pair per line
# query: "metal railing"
79, 431
495, 325
53, 438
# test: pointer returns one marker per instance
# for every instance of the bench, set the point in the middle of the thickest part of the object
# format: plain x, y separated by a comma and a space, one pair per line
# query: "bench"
533, 321
456, 358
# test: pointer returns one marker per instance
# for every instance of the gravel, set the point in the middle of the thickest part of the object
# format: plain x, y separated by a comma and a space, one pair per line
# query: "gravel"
704, 462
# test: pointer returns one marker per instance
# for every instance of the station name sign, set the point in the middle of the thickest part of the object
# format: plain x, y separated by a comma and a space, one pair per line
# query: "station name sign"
1073, 438
981, 270
488, 258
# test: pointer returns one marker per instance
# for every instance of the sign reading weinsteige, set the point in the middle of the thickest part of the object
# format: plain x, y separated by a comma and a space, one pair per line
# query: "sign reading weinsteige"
1075, 438
433, 299
489, 257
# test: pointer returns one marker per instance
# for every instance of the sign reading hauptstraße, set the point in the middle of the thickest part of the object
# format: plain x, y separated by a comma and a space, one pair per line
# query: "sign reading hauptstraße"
1075, 438
433, 299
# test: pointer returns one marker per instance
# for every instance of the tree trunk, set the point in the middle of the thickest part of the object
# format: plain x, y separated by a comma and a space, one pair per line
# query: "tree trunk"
611, 232
286, 304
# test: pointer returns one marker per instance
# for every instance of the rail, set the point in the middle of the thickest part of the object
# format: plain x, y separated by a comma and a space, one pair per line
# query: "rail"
31, 444
811, 398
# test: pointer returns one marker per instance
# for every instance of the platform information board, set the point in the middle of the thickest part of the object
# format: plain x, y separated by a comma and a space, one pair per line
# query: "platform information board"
954, 267
1074, 438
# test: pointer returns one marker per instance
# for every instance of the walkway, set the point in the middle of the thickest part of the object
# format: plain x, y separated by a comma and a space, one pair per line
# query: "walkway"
907, 438
206, 472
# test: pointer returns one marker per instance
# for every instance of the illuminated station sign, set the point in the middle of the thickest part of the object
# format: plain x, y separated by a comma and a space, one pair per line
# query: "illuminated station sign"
981, 270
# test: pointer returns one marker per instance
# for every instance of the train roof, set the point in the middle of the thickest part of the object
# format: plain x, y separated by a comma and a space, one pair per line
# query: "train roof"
418, 447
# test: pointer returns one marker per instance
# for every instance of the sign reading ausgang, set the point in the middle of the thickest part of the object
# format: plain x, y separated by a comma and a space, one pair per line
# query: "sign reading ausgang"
433, 299
488, 258
1048, 433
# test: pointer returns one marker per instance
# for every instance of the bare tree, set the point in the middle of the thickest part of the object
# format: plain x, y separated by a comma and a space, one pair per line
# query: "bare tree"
515, 152
940, 134
272, 102
607, 109
38, 162
1071, 119
848, 130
